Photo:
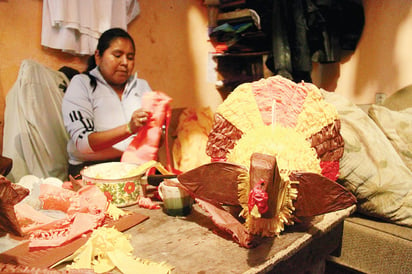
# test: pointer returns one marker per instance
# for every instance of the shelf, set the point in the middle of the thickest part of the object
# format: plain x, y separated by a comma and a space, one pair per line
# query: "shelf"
241, 54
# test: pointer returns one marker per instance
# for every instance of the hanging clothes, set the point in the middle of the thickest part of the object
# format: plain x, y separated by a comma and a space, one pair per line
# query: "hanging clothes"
75, 25
306, 31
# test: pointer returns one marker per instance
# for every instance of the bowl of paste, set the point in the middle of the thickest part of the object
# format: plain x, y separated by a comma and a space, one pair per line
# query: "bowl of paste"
120, 182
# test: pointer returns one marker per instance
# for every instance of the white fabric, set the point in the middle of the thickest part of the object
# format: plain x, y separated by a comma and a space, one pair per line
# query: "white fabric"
34, 134
76, 25
86, 110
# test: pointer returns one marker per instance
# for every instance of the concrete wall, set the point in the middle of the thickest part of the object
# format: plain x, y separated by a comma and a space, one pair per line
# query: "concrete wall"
382, 62
171, 39
172, 50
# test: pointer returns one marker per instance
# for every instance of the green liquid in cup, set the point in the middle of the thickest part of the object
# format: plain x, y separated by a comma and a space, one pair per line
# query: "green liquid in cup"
178, 206
179, 212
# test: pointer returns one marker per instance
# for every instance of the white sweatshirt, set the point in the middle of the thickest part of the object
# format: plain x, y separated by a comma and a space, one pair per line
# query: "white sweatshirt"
86, 111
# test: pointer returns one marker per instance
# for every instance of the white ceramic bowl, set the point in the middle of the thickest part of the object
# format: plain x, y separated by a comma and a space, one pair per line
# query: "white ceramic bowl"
120, 182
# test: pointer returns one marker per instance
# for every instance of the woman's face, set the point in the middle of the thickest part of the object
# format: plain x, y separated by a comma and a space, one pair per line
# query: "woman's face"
117, 62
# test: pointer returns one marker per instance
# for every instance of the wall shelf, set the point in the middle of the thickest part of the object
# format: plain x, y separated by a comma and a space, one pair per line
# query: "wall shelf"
242, 57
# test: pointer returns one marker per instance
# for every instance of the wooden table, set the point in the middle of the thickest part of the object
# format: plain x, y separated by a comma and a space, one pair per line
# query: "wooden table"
193, 244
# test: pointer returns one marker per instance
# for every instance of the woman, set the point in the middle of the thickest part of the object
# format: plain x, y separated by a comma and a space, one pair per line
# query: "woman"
102, 107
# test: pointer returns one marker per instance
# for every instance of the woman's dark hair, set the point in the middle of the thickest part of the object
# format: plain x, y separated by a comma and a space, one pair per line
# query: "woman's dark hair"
102, 45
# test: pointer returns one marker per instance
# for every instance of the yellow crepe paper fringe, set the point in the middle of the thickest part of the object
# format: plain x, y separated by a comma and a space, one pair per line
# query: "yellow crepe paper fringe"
243, 188
316, 113
241, 110
115, 213
108, 248
285, 144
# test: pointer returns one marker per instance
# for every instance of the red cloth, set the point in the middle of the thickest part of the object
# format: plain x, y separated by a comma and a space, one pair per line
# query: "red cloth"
145, 145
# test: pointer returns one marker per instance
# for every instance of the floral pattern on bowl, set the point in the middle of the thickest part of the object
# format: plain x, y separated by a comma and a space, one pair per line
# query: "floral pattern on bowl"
121, 191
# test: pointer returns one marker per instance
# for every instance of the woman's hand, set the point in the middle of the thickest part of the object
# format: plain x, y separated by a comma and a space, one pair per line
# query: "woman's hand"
139, 118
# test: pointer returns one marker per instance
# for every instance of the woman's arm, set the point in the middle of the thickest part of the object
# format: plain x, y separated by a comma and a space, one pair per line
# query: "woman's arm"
78, 115
106, 139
